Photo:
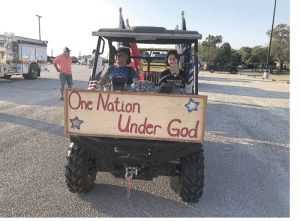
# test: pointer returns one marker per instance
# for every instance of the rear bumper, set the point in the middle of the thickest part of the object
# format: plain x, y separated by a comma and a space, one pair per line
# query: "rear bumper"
114, 154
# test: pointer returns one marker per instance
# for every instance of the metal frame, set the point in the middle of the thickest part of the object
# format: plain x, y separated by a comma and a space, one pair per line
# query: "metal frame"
149, 35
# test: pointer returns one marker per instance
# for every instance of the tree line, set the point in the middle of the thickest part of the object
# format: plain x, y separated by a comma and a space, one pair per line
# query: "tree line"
213, 51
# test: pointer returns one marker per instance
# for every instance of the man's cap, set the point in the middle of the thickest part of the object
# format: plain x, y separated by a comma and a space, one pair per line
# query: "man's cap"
67, 49
123, 50
126, 51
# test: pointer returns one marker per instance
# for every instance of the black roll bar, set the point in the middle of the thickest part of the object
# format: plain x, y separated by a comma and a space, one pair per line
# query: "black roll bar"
97, 53
96, 56
150, 59
196, 68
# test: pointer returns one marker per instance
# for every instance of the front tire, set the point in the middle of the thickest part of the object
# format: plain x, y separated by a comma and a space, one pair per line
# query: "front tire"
212, 70
7, 76
80, 170
232, 71
191, 178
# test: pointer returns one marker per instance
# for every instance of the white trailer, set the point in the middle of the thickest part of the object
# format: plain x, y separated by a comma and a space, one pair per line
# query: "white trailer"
19, 55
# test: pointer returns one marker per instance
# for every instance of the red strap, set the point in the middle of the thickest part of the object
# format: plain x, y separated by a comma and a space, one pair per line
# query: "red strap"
128, 186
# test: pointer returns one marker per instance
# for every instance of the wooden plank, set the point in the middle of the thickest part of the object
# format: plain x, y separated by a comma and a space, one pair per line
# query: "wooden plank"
148, 116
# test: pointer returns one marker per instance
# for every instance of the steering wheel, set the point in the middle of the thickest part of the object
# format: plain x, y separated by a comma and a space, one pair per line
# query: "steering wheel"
174, 77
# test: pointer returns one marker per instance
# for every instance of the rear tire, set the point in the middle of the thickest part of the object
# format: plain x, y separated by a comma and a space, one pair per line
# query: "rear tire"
212, 70
232, 71
33, 73
191, 178
80, 170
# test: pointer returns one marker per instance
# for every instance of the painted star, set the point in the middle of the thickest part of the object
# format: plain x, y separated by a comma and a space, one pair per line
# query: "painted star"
76, 123
192, 105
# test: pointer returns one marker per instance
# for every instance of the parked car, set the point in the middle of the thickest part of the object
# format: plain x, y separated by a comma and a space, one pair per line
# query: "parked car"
222, 67
242, 66
50, 59
74, 59
160, 58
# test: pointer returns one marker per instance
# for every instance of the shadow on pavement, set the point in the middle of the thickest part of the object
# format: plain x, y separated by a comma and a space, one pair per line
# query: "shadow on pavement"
35, 124
112, 201
42, 91
241, 91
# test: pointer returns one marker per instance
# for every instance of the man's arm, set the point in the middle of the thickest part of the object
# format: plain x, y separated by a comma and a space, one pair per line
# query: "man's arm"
56, 60
135, 80
55, 65
134, 75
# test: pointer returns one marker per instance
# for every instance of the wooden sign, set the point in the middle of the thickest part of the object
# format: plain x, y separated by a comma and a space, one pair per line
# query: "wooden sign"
149, 116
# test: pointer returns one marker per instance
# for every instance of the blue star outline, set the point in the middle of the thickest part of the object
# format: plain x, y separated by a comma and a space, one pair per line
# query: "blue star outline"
192, 105
76, 123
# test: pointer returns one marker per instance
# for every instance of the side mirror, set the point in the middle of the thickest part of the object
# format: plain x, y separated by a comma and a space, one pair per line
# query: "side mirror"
103, 44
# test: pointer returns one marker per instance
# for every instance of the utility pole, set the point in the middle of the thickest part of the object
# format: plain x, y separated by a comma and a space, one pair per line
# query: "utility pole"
208, 49
271, 37
39, 25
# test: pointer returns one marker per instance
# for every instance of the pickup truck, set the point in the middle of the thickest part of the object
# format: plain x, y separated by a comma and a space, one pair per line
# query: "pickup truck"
222, 67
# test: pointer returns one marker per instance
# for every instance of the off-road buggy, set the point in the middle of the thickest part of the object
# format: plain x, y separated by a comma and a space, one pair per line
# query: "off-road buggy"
135, 157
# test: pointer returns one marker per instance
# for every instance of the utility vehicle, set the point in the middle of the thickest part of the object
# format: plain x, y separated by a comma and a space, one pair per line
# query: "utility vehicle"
152, 144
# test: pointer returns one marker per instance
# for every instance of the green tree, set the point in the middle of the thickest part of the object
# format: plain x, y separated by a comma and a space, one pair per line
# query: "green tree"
214, 55
208, 49
258, 55
246, 53
225, 53
236, 58
203, 50
214, 40
280, 47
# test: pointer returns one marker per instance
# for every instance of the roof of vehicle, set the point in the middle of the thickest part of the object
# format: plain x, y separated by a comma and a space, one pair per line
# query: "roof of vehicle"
155, 49
149, 34
24, 40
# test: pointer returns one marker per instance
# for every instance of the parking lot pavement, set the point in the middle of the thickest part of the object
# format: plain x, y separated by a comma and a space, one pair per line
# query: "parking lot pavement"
272, 77
246, 151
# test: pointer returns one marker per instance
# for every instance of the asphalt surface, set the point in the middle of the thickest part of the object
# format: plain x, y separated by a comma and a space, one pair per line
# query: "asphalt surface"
246, 150
284, 78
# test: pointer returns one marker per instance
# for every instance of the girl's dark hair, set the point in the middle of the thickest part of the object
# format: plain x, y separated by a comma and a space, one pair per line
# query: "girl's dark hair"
175, 53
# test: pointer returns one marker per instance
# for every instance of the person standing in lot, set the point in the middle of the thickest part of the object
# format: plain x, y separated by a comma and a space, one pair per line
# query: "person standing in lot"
99, 65
62, 64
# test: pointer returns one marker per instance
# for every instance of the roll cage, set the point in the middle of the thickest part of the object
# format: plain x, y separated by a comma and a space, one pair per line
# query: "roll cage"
147, 35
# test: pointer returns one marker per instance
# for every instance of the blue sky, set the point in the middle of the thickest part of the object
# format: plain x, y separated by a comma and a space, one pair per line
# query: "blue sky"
70, 23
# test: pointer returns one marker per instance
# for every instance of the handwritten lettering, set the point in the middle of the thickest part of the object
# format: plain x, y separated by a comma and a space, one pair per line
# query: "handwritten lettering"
117, 105
183, 132
125, 112
144, 128
81, 103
